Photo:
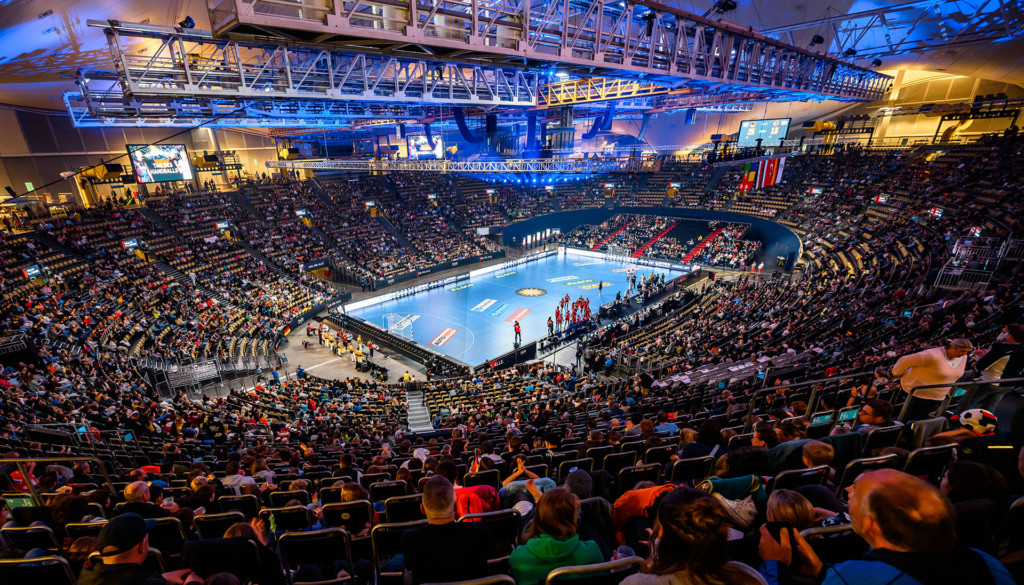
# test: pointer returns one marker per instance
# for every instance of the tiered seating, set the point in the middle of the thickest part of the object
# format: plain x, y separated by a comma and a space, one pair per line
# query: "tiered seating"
473, 207
426, 226
323, 454
692, 178
359, 236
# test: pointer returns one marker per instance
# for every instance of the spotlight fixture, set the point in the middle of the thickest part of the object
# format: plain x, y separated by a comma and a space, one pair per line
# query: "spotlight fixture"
817, 40
876, 63
45, 14
187, 23
849, 52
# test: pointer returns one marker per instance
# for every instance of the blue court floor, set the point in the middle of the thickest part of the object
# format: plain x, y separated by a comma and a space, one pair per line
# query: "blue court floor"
472, 320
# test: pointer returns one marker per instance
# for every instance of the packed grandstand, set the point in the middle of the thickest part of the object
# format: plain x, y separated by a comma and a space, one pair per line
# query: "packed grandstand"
750, 404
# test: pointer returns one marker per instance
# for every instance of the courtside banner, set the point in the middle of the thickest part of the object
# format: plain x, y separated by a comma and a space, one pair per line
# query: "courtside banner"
518, 315
443, 337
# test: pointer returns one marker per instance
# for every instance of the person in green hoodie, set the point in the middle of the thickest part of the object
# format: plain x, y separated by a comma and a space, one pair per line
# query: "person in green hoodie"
553, 541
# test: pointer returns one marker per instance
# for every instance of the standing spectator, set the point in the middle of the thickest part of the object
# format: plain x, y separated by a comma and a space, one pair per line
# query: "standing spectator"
519, 333
938, 365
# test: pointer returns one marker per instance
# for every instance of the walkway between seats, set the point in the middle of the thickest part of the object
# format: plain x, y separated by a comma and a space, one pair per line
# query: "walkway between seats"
597, 246
696, 250
640, 251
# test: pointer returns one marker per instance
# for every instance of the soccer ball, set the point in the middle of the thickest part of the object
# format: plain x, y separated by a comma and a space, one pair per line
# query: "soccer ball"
979, 420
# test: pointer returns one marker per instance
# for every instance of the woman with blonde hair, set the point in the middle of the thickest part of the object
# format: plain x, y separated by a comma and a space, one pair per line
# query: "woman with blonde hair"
689, 545
553, 542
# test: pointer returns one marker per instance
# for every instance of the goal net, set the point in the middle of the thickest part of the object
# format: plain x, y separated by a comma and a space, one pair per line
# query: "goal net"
398, 325
618, 251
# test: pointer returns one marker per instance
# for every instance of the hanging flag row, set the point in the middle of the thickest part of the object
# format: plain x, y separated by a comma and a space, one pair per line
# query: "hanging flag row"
762, 174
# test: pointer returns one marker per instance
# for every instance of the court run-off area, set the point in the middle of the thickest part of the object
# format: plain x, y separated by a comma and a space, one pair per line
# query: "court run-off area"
472, 319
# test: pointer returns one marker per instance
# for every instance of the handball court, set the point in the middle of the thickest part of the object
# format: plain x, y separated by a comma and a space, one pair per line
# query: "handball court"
472, 320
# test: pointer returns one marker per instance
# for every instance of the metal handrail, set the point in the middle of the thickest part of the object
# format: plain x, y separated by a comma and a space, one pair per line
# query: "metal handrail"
36, 496
973, 385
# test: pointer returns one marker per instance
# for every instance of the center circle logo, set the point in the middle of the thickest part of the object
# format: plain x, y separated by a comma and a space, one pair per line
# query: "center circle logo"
531, 292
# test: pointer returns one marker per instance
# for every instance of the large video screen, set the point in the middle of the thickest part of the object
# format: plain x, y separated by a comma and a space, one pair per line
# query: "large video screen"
154, 163
770, 131
419, 148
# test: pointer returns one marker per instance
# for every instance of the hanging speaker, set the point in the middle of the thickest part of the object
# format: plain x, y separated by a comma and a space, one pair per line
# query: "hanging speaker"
531, 130
10, 191
430, 136
644, 125
688, 116
401, 131
492, 123
467, 135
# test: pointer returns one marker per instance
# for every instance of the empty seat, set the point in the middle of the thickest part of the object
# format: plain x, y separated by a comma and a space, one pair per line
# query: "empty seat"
52, 570
321, 554
858, 466
404, 508
215, 525
694, 469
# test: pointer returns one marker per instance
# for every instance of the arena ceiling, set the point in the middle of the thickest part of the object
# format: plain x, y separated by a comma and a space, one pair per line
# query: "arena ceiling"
43, 40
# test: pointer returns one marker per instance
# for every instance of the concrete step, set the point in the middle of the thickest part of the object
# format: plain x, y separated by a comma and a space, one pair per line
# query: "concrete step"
419, 416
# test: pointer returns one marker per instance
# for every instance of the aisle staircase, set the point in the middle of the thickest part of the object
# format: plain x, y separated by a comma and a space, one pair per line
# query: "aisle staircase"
696, 249
419, 416
597, 246
640, 251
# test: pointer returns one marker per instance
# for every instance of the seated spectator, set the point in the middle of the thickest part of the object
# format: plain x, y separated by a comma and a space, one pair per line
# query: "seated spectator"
444, 550
552, 541
469, 500
875, 414
123, 546
137, 496
690, 545
911, 529
792, 508
234, 480
815, 453
78, 553
270, 572
979, 494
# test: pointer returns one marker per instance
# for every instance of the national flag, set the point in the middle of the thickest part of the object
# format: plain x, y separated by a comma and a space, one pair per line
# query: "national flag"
749, 174
769, 172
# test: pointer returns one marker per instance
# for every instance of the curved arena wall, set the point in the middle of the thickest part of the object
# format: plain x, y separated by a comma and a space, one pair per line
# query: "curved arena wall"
776, 239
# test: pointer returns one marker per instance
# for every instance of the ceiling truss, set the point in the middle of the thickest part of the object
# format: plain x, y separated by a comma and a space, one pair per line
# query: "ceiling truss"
914, 27
543, 165
591, 37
